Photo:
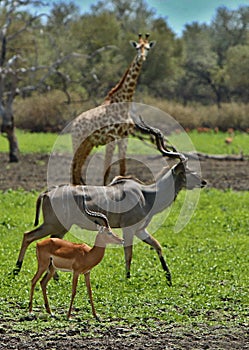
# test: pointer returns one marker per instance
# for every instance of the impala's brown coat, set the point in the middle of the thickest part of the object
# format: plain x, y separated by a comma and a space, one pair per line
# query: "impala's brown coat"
55, 253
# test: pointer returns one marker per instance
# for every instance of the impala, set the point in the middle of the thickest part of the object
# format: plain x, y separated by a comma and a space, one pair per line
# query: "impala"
55, 253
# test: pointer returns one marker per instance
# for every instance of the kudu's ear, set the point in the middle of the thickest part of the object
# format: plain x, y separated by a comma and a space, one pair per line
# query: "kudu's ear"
178, 168
100, 228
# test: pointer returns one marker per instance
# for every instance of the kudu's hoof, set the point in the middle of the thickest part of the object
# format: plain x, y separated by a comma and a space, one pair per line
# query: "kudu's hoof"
16, 270
168, 278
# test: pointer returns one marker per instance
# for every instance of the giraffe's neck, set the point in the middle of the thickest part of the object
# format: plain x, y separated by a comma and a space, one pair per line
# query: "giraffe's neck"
124, 90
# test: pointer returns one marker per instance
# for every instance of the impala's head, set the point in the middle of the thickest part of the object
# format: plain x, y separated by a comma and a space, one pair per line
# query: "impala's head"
143, 46
107, 236
185, 178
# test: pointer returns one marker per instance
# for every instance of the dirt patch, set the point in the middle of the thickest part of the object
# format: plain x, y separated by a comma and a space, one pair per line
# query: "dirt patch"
171, 337
31, 172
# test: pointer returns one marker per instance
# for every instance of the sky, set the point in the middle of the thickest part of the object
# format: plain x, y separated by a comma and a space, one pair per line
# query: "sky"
180, 12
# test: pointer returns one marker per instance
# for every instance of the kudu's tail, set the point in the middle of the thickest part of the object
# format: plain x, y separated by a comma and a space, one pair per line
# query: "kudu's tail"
38, 207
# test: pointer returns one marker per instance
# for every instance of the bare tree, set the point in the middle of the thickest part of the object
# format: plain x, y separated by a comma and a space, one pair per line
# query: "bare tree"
11, 71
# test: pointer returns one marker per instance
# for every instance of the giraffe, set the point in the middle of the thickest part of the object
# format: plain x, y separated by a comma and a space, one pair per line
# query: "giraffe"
110, 123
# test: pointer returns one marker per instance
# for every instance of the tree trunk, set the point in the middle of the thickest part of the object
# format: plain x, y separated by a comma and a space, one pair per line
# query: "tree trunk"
9, 129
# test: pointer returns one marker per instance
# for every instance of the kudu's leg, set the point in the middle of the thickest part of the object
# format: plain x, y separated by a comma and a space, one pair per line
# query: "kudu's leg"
147, 238
128, 245
79, 159
28, 238
31, 236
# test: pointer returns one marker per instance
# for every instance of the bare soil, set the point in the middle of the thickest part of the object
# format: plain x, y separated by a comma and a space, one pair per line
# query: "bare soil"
31, 173
167, 337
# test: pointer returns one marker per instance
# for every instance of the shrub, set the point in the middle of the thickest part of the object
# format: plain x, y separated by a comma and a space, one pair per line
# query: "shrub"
43, 112
49, 112
230, 115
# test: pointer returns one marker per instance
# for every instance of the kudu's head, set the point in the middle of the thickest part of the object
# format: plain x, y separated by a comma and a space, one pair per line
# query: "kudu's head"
185, 178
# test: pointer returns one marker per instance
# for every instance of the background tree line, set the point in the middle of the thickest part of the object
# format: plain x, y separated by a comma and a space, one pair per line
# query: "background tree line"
56, 64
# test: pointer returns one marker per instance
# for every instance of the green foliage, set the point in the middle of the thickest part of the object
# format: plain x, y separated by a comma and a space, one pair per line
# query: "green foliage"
192, 67
208, 260
237, 68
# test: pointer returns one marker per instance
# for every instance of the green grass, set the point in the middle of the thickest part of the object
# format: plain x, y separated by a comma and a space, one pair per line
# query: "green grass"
210, 143
208, 261
213, 143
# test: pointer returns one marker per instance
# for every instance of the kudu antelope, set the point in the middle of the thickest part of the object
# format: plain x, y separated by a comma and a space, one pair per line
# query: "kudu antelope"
55, 253
127, 203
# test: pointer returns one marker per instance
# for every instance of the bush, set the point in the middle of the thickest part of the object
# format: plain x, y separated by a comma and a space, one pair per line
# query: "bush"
43, 112
230, 115
49, 112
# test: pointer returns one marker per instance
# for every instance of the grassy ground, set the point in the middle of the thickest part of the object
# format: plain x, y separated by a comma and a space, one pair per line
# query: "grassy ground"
208, 260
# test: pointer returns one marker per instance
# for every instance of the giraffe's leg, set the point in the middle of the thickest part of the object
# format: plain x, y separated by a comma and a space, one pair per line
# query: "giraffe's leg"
122, 148
108, 159
79, 159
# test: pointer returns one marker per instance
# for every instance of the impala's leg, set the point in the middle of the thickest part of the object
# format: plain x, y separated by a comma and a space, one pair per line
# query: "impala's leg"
89, 291
42, 267
29, 237
74, 287
128, 245
147, 238
79, 159
108, 159
122, 148
44, 283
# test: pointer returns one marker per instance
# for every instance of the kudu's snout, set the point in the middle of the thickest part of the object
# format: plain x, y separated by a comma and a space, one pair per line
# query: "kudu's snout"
203, 183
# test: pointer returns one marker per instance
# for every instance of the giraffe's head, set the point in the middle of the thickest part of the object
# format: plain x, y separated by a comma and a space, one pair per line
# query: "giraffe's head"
143, 46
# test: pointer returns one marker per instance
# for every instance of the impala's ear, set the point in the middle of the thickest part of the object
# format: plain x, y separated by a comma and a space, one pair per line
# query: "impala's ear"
152, 43
133, 43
